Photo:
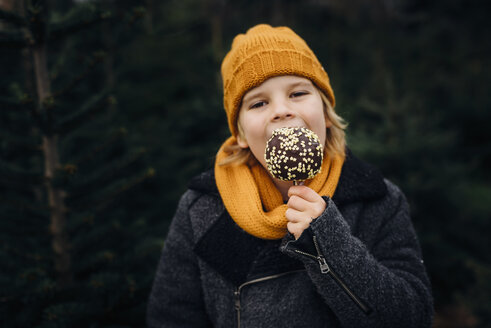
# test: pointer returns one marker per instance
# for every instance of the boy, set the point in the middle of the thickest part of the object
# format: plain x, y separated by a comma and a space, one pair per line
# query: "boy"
248, 250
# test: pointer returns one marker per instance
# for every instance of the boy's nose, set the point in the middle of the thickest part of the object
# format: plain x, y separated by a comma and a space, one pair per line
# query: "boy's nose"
282, 112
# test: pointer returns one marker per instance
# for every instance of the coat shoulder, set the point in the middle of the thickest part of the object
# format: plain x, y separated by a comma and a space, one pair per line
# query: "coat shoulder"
199, 207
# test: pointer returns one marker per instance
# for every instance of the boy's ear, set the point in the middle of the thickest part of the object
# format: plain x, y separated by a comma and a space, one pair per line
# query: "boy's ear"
326, 117
241, 141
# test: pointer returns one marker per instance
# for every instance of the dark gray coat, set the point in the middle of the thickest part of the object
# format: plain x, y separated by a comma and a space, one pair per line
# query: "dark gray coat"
358, 265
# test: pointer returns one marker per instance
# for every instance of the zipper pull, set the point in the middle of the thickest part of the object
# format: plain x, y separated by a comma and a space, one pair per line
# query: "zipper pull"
323, 264
322, 261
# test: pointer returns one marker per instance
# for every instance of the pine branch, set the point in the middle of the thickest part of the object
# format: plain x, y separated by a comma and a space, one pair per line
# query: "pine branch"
90, 242
97, 58
16, 107
95, 233
14, 174
146, 247
26, 254
98, 259
80, 18
12, 104
118, 188
79, 222
106, 195
106, 174
22, 142
15, 39
136, 14
12, 18
13, 185
115, 136
91, 107
26, 207
39, 117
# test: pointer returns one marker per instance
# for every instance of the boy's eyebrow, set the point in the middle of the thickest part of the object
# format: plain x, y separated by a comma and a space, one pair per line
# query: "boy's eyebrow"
252, 96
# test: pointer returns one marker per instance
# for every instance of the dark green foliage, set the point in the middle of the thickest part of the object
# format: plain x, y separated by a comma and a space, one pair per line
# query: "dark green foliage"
410, 77
100, 171
12, 18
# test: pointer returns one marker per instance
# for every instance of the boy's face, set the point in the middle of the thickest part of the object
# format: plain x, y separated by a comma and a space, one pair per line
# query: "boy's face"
282, 101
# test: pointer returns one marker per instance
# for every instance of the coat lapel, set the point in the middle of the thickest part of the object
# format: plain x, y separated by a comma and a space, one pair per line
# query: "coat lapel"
238, 256
359, 182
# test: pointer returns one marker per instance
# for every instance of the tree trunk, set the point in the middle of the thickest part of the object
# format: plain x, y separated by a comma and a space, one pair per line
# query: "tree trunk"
56, 196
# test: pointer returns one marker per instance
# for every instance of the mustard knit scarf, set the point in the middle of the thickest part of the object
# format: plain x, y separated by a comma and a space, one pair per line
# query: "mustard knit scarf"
252, 199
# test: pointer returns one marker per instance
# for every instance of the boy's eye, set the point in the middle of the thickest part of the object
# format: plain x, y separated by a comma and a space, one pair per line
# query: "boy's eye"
257, 104
298, 94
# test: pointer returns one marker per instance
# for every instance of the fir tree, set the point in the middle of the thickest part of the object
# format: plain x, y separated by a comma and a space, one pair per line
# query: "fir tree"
73, 249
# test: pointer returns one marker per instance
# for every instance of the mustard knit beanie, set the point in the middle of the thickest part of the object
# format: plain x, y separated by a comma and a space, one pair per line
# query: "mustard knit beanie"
265, 52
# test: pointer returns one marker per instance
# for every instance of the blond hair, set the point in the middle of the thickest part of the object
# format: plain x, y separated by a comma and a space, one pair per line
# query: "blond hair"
335, 138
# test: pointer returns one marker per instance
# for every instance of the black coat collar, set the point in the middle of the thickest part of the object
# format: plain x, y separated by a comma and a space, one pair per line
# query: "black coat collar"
239, 257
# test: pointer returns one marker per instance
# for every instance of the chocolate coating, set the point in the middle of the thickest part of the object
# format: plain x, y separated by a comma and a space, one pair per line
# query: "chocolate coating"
293, 154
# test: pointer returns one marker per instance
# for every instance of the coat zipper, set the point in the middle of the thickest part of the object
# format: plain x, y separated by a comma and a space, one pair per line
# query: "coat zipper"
237, 291
326, 269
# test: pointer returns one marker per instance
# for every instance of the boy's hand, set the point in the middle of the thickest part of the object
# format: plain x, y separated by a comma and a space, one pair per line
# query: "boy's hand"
304, 205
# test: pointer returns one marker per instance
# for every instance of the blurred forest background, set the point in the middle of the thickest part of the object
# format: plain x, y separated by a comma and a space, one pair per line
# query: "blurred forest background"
108, 108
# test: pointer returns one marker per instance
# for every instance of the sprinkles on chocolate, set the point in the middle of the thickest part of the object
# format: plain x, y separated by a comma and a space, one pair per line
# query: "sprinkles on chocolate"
293, 154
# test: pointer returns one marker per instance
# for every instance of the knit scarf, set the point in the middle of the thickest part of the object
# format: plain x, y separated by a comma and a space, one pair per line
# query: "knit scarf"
252, 199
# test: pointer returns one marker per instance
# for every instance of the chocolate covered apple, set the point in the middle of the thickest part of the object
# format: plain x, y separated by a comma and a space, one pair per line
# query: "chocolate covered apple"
294, 154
